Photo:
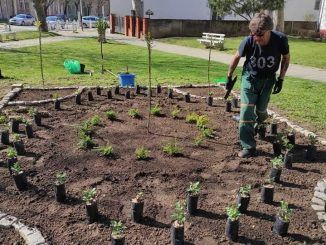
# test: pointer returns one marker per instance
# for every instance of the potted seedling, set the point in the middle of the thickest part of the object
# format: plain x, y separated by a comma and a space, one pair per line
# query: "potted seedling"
127, 94
60, 190
19, 176
282, 220
142, 153
134, 113
137, 207
273, 129
187, 97
55, 97
14, 124
18, 144
111, 115
91, 204
228, 105
158, 89
33, 112
90, 95
267, 191
11, 158
156, 111
105, 151
98, 90
116, 90
235, 102
192, 197
243, 198
178, 218
5, 135
209, 99
276, 170
175, 113
170, 93
28, 128
172, 149
291, 137
117, 236
311, 149
277, 145
232, 223
288, 154
261, 131
78, 98
109, 94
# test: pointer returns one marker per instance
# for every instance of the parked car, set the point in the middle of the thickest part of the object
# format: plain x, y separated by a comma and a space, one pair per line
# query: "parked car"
89, 21
52, 21
22, 20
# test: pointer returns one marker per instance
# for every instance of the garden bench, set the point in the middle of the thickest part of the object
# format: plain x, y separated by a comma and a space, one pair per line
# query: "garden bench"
6, 35
212, 39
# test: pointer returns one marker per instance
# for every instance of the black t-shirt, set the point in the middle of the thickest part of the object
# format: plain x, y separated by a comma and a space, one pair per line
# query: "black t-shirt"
262, 62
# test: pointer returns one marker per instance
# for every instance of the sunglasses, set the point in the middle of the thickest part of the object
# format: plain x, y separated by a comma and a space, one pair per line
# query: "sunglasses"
258, 34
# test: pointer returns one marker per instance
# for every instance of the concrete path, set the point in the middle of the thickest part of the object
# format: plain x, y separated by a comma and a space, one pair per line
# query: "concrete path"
298, 71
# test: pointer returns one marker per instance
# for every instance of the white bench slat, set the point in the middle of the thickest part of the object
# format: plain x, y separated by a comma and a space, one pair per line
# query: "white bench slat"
214, 39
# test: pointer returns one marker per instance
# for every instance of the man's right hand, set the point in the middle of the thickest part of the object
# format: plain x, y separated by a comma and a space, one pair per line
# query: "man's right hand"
228, 84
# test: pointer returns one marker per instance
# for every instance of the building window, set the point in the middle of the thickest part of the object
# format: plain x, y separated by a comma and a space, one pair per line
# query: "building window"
317, 4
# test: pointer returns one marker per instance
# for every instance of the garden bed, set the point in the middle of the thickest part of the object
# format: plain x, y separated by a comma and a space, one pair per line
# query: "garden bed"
162, 178
10, 237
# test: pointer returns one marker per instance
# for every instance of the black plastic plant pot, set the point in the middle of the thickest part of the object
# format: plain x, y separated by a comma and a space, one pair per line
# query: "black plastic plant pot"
5, 137
277, 148
158, 89
14, 126
82, 68
137, 89
109, 94
209, 100
177, 234
20, 181
92, 212
232, 229
187, 98
29, 131
60, 193
235, 102
78, 99
192, 202
170, 93
10, 163
90, 96
19, 147
275, 174
267, 193
262, 132
98, 90
274, 128
37, 119
288, 156
228, 106
127, 95
57, 104
244, 203
117, 90
280, 227
117, 240
311, 152
137, 211
291, 138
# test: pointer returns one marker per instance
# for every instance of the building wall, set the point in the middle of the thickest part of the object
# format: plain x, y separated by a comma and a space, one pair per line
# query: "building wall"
322, 24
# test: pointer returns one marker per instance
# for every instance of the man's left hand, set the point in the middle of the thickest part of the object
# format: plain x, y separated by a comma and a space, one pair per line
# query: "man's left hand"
278, 86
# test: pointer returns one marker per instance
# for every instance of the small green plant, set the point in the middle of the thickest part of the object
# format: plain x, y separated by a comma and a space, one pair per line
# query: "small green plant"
106, 151
86, 128
55, 96
61, 178
269, 181
210, 93
111, 115
208, 133
199, 140
175, 113
86, 142
133, 112
202, 121
277, 162
156, 111
26, 121
16, 168
312, 139
139, 197
233, 212
16, 137
194, 188
3, 119
192, 118
33, 111
245, 190
285, 212
142, 153
172, 149
95, 120
280, 137
89, 195
288, 146
117, 228
179, 212
11, 152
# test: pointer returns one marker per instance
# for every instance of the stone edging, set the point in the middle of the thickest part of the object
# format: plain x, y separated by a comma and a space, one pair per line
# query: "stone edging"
319, 202
32, 236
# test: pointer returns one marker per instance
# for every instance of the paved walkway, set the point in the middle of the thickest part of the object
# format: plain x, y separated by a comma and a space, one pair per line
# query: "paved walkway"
298, 71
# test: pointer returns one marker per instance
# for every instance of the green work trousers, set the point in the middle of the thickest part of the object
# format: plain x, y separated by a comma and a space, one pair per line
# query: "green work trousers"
255, 94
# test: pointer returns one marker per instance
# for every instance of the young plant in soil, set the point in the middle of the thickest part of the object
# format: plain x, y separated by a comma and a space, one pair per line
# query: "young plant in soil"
267, 191
282, 221
55, 96
156, 111
187, 97
202, 121
192, 197
3, 119
243, 198
277, 144
134, 113
19, 176
117, 236
36, 115
86, 142
105, 151
85, 128
18, 144
232, 224
210, 99
276, 170
142, 153
5, 135
14, 124
291, 137
11, 158
60, 190
192, 118
288, 156
28, 128
199, 140
137, 207
311, 149
178, 218
111, 115
170, 93
172, 149
175, 113
95, 120
78, 98
91, 204
208, 133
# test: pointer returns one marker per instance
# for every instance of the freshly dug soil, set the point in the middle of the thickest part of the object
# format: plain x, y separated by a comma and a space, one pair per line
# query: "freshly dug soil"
10, 237
40, 94
163, 179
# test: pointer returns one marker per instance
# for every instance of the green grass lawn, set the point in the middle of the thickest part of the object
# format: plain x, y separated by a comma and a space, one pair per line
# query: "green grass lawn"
303, 52
22, 35
301, 100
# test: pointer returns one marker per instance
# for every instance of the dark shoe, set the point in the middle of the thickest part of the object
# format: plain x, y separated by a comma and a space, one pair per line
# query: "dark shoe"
247, 153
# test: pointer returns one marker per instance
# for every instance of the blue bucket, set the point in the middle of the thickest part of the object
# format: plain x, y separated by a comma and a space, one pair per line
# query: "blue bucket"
127, 80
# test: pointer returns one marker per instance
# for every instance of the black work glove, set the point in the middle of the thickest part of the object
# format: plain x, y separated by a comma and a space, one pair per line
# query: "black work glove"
228, 84
278, 86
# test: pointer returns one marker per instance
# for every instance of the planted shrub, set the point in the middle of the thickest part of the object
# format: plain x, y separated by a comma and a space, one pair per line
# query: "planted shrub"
117, 237
86, 142
172, 149
18, 144
282, 220
91, 205
199, 140
105, 151
276, 171
192, 118
202, 121
142, 153
288, 154
111, 115
156, 111
137, 207
5, 135
14, 123
175, 113
28, 128
60, 190
95, 120
86, 128
232, 224
3, 119
35, 114
19, 176
208, 133
192, 198
311, 149
277, 144
179, 218
134, 113
243, 198
11, 158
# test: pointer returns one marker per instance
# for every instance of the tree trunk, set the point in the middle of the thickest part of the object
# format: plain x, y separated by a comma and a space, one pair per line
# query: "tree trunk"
137, 5
280, 20
39, 8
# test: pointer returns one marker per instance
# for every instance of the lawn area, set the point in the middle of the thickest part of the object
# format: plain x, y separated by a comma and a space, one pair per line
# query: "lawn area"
303, 52
301, 100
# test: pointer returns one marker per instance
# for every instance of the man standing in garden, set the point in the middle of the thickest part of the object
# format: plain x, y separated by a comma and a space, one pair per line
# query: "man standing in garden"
264, 50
